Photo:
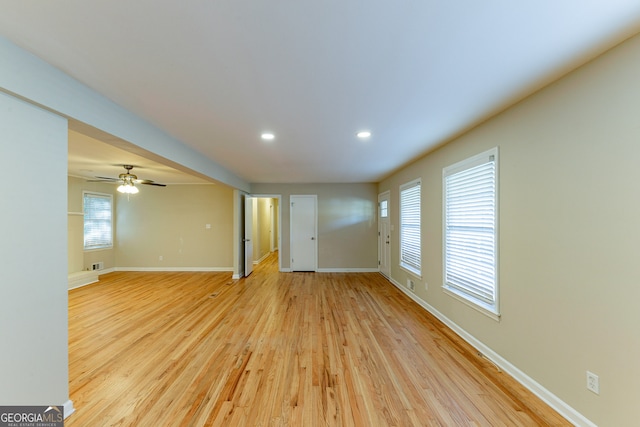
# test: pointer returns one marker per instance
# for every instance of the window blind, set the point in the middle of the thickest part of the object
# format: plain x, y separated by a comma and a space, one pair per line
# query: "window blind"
410, 256
470, 230
98, 228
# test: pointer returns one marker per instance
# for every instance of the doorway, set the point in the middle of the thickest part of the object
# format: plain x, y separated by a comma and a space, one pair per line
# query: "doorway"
262, 224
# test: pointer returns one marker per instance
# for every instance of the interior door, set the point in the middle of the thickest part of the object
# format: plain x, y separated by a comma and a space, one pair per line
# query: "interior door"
384, 235
248, 235
304, 229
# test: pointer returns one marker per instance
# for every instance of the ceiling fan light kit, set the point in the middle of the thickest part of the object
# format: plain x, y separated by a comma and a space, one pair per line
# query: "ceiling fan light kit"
127, 181
128, 188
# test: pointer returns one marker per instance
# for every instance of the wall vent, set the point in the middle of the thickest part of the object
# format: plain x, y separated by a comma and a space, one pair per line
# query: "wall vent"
410, 284
97, 265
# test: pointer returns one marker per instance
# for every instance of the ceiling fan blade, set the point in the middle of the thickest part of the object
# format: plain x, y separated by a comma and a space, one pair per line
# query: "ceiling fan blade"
149, 182
102, 179
126, 177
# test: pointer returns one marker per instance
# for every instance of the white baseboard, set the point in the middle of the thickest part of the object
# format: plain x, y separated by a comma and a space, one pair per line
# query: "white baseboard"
262, 259
75, 280
82, 278
68, 408
573, 416
337, 270
193, 269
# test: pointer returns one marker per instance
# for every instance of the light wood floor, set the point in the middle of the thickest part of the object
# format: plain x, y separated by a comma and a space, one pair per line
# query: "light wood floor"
276, 349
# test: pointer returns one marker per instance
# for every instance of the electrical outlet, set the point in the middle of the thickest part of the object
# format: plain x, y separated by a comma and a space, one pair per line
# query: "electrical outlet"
426, 286
593, 382
160, 258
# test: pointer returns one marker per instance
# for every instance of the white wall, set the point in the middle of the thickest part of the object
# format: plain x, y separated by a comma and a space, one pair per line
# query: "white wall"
33, 250
569, 230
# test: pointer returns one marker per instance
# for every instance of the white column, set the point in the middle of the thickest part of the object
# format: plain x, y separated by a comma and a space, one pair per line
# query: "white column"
33, 256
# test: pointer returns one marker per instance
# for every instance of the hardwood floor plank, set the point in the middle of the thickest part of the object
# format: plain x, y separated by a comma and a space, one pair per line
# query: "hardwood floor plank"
277, 349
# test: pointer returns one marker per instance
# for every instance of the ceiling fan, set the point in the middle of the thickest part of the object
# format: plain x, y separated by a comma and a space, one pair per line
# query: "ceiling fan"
127, 181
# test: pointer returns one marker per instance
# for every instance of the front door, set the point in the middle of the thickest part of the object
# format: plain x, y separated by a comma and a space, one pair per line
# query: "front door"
384, 236
304, 245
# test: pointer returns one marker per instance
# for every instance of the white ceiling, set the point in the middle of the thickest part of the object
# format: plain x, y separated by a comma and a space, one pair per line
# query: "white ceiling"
216, 74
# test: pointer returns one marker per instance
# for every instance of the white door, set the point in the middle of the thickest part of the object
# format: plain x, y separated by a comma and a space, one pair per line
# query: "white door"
248, 235
384, 236
304, 230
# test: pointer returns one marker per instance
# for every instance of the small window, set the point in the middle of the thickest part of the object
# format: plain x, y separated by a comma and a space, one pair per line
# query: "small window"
98, 220
470, 231
410, 242
384, 209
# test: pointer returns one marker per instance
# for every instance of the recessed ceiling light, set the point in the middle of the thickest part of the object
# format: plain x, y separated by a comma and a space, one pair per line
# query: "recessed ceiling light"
363, 134
267, 136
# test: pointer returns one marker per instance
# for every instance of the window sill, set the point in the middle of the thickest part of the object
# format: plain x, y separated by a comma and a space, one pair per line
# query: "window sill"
106, 248
486, 309
415, 273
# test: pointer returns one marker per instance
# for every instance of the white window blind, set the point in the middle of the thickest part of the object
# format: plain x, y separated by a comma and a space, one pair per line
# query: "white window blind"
470, 243
98, 224
410, 257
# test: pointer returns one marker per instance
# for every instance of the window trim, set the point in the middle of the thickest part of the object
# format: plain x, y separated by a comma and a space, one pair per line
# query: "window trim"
491, 310
415, 270
104, 196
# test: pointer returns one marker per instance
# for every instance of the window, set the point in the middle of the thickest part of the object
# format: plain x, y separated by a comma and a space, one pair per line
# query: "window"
470, 231
384, 209
410, 257
98, 226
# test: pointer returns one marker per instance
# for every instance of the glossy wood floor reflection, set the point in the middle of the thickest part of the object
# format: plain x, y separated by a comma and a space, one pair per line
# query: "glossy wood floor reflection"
276, 349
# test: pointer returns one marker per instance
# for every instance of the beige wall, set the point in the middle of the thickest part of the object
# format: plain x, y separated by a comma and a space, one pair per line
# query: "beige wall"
568, 220
347, 225
170, 222
78, 258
